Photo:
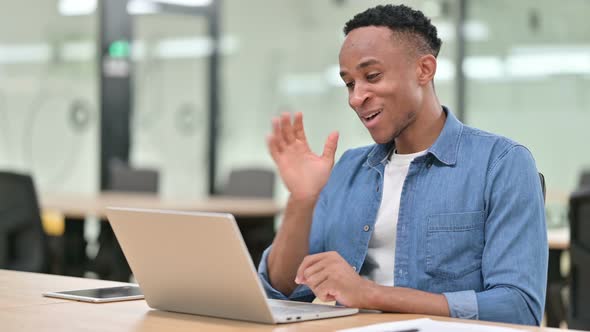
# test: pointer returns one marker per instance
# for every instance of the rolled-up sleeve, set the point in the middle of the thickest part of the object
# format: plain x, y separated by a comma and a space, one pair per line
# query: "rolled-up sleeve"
301, 293
514, 260
462, 304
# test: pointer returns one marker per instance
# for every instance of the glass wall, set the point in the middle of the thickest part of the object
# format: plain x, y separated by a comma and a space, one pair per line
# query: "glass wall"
527, 67
48, 96
286, 59
170, 101
528, 79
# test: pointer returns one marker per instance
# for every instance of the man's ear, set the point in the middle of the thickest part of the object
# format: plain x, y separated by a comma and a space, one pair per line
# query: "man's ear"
425, 69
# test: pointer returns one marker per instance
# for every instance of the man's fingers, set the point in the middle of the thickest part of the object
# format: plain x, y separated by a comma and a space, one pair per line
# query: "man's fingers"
298, 127
323, 292
273, 147
310, 272
313, 280
277, 136
287, 128
331, 146
307, 262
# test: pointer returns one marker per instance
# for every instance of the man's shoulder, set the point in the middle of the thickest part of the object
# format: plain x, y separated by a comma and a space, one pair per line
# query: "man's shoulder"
483, 138
474, 133
497, 146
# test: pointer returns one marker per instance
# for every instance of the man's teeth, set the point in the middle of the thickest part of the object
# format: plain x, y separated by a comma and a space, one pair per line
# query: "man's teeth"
369, 117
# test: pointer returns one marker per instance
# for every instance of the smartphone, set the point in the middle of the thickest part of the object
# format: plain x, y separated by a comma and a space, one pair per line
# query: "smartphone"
100, 295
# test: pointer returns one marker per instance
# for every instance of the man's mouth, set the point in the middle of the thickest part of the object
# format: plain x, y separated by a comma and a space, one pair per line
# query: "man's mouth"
371, 116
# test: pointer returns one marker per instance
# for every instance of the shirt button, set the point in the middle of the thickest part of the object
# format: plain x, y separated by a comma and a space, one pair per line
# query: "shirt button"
366, 228
354, 268
429, 163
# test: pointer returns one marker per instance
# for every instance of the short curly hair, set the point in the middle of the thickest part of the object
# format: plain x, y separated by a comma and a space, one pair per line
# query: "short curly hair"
401, 19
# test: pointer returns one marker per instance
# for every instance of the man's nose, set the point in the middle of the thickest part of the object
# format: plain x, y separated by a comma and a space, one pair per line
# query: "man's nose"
357, 97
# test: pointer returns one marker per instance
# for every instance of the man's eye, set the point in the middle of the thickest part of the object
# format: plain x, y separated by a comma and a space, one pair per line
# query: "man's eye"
371, 77
350, 85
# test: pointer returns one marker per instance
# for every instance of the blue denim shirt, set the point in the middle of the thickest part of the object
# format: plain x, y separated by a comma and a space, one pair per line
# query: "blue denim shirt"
471, 223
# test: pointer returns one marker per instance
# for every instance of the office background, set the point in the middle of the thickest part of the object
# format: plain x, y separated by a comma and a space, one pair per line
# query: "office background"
526, 66
520, 69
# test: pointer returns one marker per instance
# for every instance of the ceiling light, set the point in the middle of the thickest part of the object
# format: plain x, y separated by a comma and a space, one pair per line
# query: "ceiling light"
142, 7
189, 3
76, 7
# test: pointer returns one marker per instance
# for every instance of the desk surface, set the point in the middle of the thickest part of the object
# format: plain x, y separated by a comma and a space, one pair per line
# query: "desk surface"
559, 238
22, 308
82, 205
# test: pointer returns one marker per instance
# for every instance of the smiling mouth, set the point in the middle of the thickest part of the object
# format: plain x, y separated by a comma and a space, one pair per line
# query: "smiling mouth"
371, 116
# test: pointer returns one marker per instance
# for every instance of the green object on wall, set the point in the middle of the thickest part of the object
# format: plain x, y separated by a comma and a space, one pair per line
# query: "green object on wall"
119, 49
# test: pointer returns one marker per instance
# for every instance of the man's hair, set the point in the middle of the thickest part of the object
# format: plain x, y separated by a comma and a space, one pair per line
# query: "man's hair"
410, 24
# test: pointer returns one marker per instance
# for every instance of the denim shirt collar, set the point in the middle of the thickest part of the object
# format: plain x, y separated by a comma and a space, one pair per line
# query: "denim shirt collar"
379, 154
445, 148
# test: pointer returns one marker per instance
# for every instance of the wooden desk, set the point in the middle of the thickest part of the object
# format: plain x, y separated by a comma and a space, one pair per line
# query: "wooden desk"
79, 206
19, 289
559, 238
22, 308
561, 197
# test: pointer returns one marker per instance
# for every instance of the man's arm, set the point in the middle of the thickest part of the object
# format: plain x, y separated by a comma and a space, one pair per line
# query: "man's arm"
514, 262
411, 301
331, 279
290, 245
305, 174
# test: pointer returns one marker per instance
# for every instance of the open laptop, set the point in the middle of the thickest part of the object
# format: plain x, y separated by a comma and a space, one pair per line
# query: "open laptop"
197, 263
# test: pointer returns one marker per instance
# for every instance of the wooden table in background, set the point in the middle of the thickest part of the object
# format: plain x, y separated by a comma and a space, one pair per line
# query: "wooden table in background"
559, 238
22, 308
80, 206
255, 218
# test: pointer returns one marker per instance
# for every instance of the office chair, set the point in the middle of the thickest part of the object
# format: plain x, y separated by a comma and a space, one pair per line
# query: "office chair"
122, 177
250, 182
23, 245
258, 233
543, 188
110, 263
584, 179
579, 217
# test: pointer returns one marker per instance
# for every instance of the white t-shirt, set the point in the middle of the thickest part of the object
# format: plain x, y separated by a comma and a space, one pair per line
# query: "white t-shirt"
380, 259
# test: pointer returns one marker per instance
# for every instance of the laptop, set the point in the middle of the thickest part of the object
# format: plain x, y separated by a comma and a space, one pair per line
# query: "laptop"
198, 263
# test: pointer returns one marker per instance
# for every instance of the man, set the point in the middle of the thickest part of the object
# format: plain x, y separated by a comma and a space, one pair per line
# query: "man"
436, 218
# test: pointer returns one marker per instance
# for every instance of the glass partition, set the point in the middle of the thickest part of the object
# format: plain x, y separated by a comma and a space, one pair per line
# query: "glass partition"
48, 96
170, 97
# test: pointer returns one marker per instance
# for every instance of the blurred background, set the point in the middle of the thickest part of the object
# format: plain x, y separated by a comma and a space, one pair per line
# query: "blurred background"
526, 71
187, 89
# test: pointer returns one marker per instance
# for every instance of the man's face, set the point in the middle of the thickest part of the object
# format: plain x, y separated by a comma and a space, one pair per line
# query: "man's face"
381, 80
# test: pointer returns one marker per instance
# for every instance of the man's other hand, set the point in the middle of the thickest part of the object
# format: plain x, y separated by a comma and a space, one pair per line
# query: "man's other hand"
331, 278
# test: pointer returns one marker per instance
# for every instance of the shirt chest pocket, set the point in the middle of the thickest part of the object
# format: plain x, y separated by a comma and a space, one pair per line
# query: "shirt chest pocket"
454, 244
